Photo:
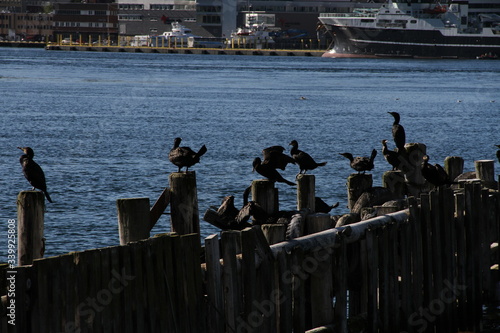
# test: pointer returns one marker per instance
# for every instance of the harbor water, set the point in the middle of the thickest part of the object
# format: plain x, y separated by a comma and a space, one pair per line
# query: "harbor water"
102, 124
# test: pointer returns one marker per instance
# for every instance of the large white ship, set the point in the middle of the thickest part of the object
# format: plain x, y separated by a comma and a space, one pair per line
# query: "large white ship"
413, 28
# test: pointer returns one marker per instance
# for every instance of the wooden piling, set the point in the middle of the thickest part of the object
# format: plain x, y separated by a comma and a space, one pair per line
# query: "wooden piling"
412, 168
306, 189
395, 181
454, 166
30, 218
265, 194
357, 184
485, 171
274, 233
184, 203
133, 219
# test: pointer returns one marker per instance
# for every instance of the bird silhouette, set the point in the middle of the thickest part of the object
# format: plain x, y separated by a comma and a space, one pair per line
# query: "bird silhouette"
274, 157
391, 156
498, 153
185, 156
434, 174
361, 163
33, 172
303, 159
269, 172
398, 132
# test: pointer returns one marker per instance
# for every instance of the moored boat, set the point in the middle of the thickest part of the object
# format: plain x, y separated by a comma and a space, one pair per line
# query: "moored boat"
414, 28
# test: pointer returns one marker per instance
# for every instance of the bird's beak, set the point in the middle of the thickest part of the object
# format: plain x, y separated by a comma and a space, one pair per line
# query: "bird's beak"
20, 148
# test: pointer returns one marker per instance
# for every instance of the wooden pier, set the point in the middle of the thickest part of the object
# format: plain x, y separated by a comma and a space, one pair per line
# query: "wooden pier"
427, 268
186, 50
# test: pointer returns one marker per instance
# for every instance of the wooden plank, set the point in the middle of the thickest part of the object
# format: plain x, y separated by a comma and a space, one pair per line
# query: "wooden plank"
299, 295
417, 268
373, 280
340, 276
230, 278
448, 250
425, 218
249, 278
437, 253
159, 207
158, 268
285, 293
407, 290
105, 275
384, 303
266, 285
192, 250
122, 285
461, 259
214, 286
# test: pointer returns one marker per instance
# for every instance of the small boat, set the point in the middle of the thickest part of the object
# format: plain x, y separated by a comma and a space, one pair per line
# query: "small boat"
255, 35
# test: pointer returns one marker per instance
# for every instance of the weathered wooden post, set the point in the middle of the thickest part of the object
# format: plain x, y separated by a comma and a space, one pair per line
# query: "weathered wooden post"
30, 217
306, 191
485, 171
274, 233
184, 203
454, 166
411, 167
395, 181
134, 221
266, 195
357, 184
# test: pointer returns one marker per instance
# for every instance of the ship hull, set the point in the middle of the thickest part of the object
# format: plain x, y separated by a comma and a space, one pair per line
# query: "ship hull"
410, 43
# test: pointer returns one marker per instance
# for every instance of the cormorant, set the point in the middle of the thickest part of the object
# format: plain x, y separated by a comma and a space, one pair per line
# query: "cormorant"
398, 132
184, 156
269, 172
274, 157
498, 153
434, 174
391, 156
227, 211
361, 163
305, 161
33, 172
323, 207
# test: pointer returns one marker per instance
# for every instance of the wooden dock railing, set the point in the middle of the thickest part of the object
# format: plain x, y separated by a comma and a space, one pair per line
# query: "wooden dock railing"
424, 269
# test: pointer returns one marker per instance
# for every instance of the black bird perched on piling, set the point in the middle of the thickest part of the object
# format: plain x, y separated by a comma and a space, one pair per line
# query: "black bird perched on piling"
305, 161
434, 174
398, 132
361, 163
391, 156
269, 172
274, 157
498, 153
33, 172
184, 156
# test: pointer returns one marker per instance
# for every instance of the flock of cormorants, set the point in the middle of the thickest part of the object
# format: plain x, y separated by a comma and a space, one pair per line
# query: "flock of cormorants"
273, 159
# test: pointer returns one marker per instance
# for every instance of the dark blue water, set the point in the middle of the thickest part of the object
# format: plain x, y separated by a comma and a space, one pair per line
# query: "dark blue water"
101, 125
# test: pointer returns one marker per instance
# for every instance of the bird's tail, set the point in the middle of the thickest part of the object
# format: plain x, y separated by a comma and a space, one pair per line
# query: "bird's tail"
47, 196
374, 153
202, 151
288, 182
322, 163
